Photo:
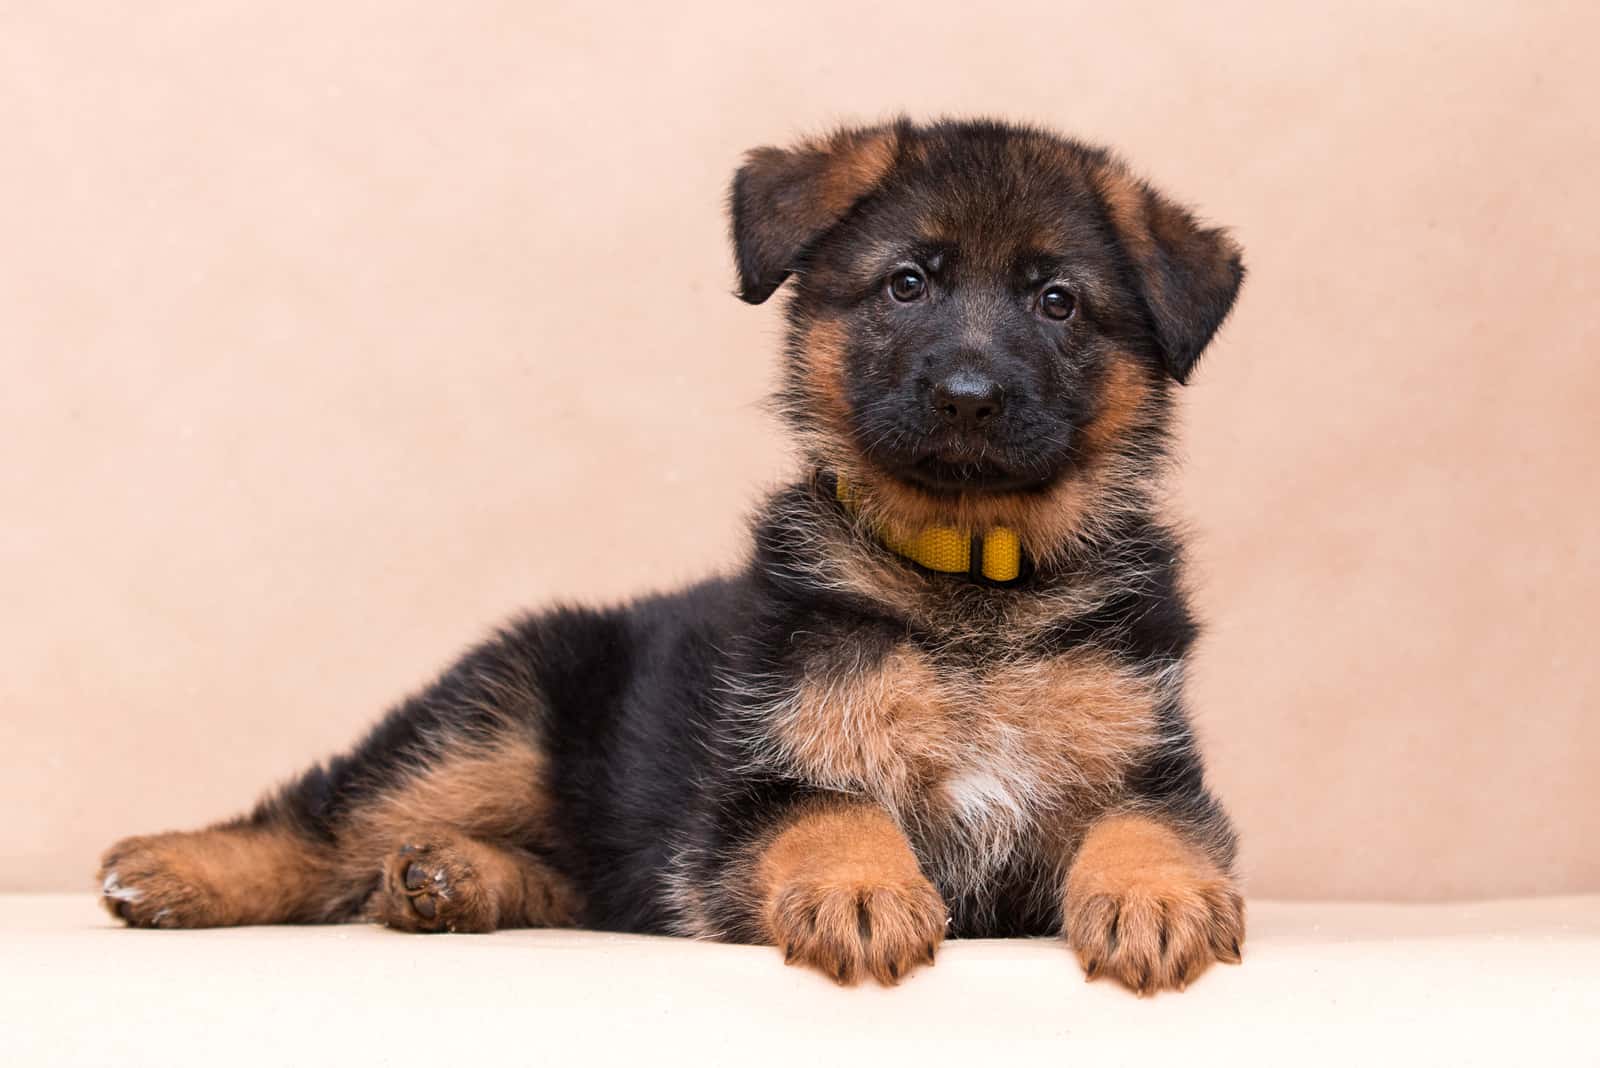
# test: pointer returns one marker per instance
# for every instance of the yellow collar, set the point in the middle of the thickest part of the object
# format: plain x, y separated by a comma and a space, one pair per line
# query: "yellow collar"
995, 555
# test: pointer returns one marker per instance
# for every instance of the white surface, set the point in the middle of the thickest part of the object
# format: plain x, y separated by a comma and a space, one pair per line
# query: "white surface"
1504, 983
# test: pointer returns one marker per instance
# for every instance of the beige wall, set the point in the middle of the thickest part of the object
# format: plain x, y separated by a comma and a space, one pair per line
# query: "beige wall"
331, 333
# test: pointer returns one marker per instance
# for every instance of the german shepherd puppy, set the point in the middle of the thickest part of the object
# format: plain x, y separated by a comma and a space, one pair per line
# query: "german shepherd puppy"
944, 697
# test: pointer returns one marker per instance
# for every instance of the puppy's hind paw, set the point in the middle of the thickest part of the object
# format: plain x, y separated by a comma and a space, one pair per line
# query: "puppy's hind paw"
150, 882
431, 886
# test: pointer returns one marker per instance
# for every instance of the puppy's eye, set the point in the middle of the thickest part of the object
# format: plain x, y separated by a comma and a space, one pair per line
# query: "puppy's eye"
1057, 303
907, 286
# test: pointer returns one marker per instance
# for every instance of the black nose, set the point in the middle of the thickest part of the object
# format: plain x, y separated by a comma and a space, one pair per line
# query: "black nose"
968, 400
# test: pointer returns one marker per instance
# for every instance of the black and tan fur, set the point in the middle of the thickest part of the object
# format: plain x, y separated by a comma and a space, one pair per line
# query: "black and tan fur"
834, 751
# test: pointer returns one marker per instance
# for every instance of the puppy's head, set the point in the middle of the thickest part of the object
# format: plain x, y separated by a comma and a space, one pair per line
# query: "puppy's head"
985, 319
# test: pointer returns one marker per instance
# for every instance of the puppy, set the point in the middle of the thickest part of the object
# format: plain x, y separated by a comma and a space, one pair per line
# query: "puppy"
943, 697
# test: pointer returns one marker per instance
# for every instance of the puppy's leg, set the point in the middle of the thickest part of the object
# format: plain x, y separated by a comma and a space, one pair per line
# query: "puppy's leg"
461, 768
836, 886
448, 841
260, 870
461, 813
441, 880
1146, 904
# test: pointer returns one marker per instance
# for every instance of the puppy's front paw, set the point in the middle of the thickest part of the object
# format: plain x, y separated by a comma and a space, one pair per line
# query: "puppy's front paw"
154, 881
844, 894
853, 928
1147, 908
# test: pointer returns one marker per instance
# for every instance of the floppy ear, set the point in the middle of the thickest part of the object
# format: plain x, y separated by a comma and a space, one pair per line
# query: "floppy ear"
1188, 275
784, 200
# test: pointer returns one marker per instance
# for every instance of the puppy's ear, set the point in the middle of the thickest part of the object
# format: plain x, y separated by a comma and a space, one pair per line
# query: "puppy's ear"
784, 200
1188, 274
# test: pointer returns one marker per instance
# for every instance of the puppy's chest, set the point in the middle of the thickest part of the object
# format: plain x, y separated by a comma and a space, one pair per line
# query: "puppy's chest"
968, 748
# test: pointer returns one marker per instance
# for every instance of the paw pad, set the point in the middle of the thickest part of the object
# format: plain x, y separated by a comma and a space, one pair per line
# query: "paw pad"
431, 887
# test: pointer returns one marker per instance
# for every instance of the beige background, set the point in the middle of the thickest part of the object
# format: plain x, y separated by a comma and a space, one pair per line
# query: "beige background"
332, 333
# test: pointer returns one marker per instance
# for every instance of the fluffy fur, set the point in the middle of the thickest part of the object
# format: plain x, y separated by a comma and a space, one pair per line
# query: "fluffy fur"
833, 751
